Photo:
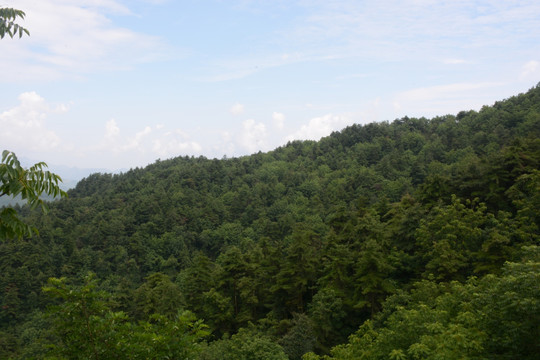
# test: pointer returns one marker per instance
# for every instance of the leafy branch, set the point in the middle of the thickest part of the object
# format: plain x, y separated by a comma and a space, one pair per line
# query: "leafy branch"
31, 185
8, 25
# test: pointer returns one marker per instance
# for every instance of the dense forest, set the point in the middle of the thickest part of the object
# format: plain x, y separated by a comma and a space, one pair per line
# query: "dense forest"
411, 239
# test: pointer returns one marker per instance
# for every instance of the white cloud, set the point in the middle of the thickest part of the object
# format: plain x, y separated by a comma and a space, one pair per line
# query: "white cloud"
24, 126
135, 142
253, 136
318, 127
445, 99
449, 91
237, 109
279, 120
111, 129
148, 143
169, 147
530, 69
224, 145
226, 136
75, 37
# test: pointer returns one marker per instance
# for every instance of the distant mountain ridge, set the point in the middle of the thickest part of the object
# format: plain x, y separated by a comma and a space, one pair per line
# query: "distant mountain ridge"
70, 174
70, 177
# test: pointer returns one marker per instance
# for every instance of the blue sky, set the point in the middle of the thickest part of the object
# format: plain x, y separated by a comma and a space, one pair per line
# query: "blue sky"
116, 84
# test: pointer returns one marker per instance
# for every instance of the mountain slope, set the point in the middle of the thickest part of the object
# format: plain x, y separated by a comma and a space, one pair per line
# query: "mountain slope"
306, 241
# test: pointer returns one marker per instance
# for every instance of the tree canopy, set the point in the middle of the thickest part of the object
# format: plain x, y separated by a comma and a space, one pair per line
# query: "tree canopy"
410, 239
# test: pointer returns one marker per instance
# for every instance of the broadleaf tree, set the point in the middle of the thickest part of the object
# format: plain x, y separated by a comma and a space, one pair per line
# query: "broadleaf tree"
8, 26
31, 184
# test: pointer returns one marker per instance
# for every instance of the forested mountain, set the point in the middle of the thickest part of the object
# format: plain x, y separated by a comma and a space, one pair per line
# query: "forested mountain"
411, 239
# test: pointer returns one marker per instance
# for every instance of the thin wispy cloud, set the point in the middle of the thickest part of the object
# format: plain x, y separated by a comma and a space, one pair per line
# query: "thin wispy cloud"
441, 99
70, 38
232, 68
390, 31
454, 61
444, 91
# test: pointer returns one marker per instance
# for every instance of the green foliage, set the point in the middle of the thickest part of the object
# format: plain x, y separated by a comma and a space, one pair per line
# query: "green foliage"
371, 276
157, 295
247, 344
495, 317
510, 308
396, 233
327, 313
298, 271
30, 184
300, 338
86, 328
8, 344
8, 26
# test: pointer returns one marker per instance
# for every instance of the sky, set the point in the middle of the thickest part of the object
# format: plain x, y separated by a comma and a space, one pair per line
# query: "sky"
116, 84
